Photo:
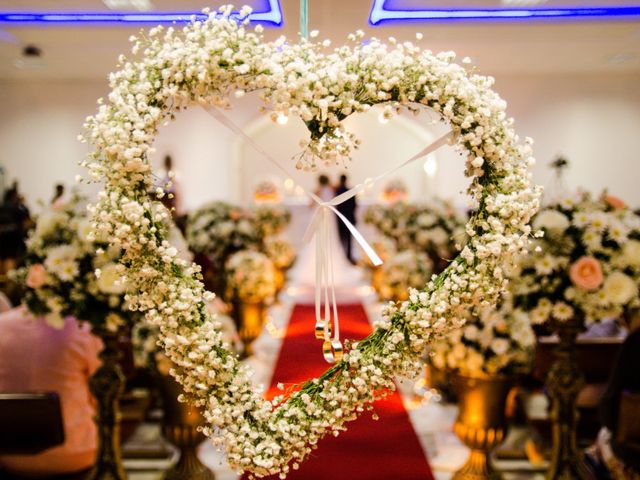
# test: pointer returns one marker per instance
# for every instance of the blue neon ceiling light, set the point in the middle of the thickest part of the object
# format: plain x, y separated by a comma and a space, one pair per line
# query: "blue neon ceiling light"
272, 16
379, 13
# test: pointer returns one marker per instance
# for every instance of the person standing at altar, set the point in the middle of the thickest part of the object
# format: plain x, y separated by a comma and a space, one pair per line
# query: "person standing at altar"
35, 357
170, 184
348, 209
58, 198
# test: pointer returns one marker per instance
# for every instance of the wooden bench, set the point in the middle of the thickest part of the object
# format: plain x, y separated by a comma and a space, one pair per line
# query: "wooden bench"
30, 423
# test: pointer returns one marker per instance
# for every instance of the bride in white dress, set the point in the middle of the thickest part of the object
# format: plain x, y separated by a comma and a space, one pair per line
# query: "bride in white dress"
345, 274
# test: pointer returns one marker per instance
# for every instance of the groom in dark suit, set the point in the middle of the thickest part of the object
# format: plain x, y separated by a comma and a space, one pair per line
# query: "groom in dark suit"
348, 209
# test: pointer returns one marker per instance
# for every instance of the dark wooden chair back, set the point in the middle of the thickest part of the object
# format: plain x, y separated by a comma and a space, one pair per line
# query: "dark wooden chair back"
30, 423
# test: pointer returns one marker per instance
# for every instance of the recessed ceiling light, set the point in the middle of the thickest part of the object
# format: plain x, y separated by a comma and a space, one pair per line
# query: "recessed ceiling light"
140, 5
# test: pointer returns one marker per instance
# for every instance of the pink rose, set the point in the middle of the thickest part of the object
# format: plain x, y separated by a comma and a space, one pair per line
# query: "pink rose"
615, 202
586, 273
36, 276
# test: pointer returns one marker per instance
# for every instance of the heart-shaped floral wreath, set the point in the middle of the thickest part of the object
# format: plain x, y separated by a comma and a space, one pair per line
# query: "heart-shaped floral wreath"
207, 62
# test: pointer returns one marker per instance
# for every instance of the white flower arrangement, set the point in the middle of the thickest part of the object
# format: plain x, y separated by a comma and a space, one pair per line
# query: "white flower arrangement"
403, 271
219, 229
496, 342
280, 252
250, 276
201, 64
271, 219
586, 265
435, 228
68, 272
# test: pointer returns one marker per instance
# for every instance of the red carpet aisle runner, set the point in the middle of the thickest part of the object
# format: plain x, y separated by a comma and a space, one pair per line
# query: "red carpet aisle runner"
384, 449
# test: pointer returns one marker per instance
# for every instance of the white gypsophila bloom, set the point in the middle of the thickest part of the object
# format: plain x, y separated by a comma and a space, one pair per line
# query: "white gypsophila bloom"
205, 62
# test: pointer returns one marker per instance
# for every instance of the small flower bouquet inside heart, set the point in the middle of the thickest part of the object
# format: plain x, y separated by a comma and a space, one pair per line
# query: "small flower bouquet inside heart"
250, 276
587, 263
435, 227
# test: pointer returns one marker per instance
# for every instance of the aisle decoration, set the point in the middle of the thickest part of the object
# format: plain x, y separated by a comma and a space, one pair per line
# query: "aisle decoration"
251, 285
70, 271
435, 228
587, 264
214, 232
181, 422
282, 255
271, 219
586, 268
218, 229
483, 359
402, 272
495, 342
204, 63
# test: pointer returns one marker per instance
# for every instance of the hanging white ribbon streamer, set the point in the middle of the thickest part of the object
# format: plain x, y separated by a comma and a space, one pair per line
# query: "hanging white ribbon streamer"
328, 328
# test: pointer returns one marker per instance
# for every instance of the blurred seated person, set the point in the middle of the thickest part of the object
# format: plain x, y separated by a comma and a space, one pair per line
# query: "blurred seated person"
14, 223
612, 456
35, 357
5, 303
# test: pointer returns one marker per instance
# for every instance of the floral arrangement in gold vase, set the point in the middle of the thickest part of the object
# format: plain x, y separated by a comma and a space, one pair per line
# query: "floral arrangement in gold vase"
282, 255
270, 219
402, 271
434, 227
69, 271
585, 268
251, 285
482, 360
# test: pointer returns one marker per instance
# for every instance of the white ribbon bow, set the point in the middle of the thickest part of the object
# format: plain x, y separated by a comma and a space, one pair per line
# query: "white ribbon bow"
327, 326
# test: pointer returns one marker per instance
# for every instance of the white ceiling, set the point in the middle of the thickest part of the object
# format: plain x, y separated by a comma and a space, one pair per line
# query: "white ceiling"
90, 52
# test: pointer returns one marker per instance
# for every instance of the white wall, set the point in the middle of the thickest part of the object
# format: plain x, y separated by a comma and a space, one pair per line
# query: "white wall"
592, 120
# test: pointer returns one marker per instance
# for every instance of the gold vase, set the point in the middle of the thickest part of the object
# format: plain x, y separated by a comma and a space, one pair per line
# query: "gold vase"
107, 385
376, 279
180, 426
564, 382
481, 422
249, 317
280, 277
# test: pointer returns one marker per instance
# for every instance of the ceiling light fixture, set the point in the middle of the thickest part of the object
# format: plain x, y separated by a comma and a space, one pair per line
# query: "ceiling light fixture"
140, 5
430, 166
379, 13
272, 16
